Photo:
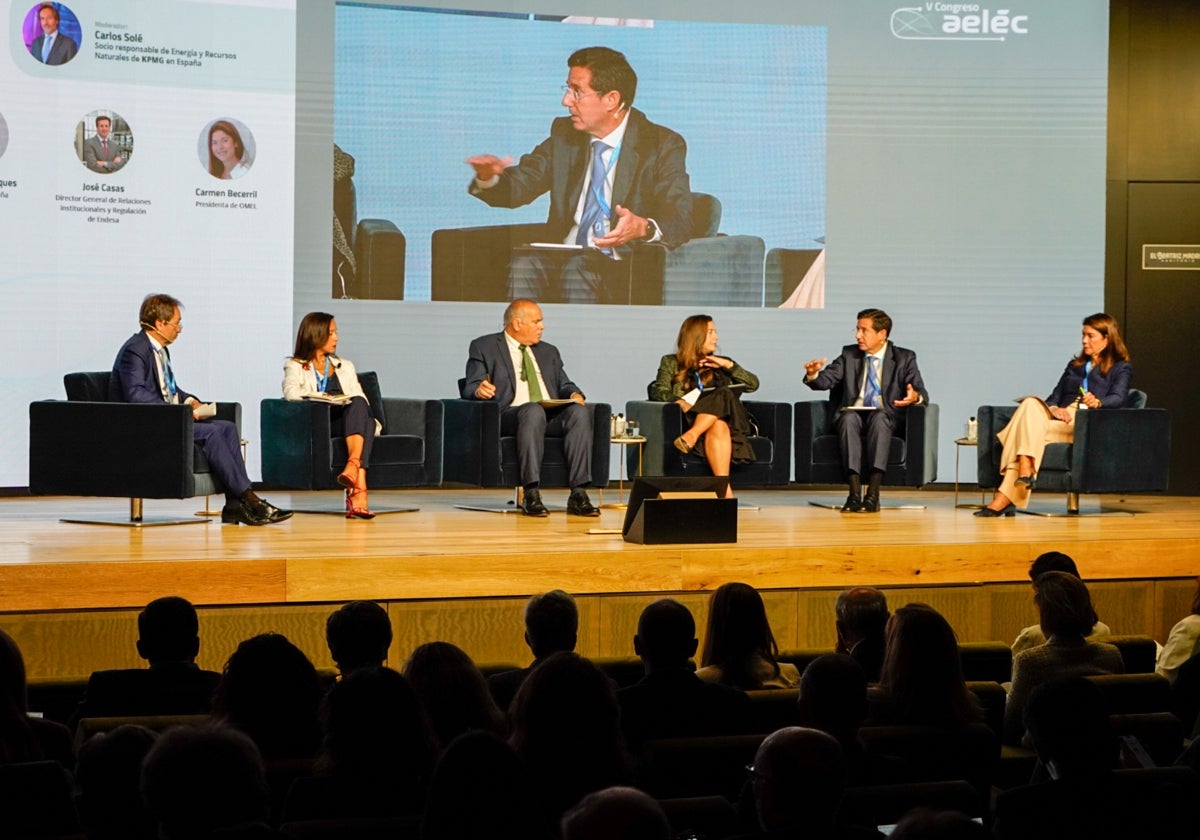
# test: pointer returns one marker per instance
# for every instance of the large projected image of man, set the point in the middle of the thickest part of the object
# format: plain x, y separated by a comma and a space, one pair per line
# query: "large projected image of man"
613, 176
52, 47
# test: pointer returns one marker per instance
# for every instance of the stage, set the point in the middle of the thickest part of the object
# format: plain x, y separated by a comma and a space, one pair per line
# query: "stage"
423, 564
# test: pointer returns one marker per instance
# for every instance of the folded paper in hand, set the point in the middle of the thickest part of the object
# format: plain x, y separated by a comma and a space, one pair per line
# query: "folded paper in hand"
203, 411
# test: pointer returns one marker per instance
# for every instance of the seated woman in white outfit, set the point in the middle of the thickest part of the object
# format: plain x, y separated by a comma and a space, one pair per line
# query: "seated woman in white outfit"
315, 368
1098, 377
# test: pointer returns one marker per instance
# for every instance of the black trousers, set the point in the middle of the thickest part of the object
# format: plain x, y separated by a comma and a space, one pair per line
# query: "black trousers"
354, 418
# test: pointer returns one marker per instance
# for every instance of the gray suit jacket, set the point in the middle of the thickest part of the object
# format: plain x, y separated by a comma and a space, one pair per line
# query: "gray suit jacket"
93, 153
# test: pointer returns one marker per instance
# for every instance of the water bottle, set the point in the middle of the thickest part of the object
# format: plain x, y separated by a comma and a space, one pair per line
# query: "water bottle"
972, 429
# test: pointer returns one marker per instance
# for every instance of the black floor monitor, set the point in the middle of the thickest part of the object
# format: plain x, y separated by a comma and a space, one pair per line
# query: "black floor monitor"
651, 519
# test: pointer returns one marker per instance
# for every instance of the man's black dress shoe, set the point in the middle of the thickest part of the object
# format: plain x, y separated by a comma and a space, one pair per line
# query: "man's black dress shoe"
580, 505
273, 513
853, 504
989, 513
531, 504
870, 503
245, 513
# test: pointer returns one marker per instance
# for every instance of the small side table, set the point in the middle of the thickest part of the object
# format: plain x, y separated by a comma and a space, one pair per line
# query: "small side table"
959, 443
625, 440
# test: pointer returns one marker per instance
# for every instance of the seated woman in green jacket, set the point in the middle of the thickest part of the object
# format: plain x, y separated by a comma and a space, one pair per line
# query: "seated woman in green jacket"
707, 388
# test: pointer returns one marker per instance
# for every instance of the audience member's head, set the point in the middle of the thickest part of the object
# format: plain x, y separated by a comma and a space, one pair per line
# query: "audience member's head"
566, 726
833, 696
738, 637
108, 775
862, 615
623, 812
551, 623
359, 635
927, 824
922, 675
799, 776
376, 732
1068, 721
270, 690
1052, 561
453, 691
1064, 605
168, 631
666, 636
17, 741
482, 789
196, 780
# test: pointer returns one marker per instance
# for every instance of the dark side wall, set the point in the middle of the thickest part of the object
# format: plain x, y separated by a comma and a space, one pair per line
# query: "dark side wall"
1154, 198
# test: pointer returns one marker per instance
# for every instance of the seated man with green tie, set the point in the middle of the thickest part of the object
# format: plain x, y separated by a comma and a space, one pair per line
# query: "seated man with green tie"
878, 381
519, 371
142, 374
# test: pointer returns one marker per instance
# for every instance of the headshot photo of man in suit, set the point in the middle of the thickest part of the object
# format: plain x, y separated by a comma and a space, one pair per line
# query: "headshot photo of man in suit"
102, 153
51, 47
518, 370
614, 178
878, 381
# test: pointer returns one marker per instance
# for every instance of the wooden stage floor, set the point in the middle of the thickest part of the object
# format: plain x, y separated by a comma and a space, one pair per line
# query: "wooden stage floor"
441, 552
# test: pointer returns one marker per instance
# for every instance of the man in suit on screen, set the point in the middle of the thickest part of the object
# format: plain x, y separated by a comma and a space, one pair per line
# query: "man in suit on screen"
52, 47
878, 381
519, 371
614, 179
102, 153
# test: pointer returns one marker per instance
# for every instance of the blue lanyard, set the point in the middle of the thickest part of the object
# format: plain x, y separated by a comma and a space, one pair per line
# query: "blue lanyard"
322, 381
1087, 371
699, 382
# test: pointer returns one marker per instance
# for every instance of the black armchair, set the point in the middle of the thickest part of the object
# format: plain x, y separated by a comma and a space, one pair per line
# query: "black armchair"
299, 452
1122, 450
476, 453
912, 460
710, 269
88, 446
378, 247
662, 422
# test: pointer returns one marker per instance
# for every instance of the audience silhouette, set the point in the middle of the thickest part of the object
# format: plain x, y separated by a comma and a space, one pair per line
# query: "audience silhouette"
453, 691
551, 626
359, 635
739, 648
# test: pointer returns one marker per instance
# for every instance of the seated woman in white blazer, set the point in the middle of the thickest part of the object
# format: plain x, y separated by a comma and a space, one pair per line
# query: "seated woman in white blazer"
315, 368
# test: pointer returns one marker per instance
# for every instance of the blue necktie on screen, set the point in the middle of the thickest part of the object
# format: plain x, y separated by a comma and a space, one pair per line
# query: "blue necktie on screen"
47, 43
871, 392
594, 217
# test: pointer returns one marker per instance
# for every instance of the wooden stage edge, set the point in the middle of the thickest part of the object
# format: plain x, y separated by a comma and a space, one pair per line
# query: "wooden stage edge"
441, 552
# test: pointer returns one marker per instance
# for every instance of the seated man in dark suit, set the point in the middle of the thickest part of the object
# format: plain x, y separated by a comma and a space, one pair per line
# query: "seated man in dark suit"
878, 381
613, 176
169, 639
551, 626
359, 635
862, 616
142, 374
671, 701
518, 370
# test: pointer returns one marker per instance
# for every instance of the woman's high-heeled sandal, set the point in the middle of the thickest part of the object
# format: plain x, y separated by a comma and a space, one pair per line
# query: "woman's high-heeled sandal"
352, 510
349, 476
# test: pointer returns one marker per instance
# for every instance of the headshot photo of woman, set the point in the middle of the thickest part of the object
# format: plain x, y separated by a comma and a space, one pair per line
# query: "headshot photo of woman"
227, 149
